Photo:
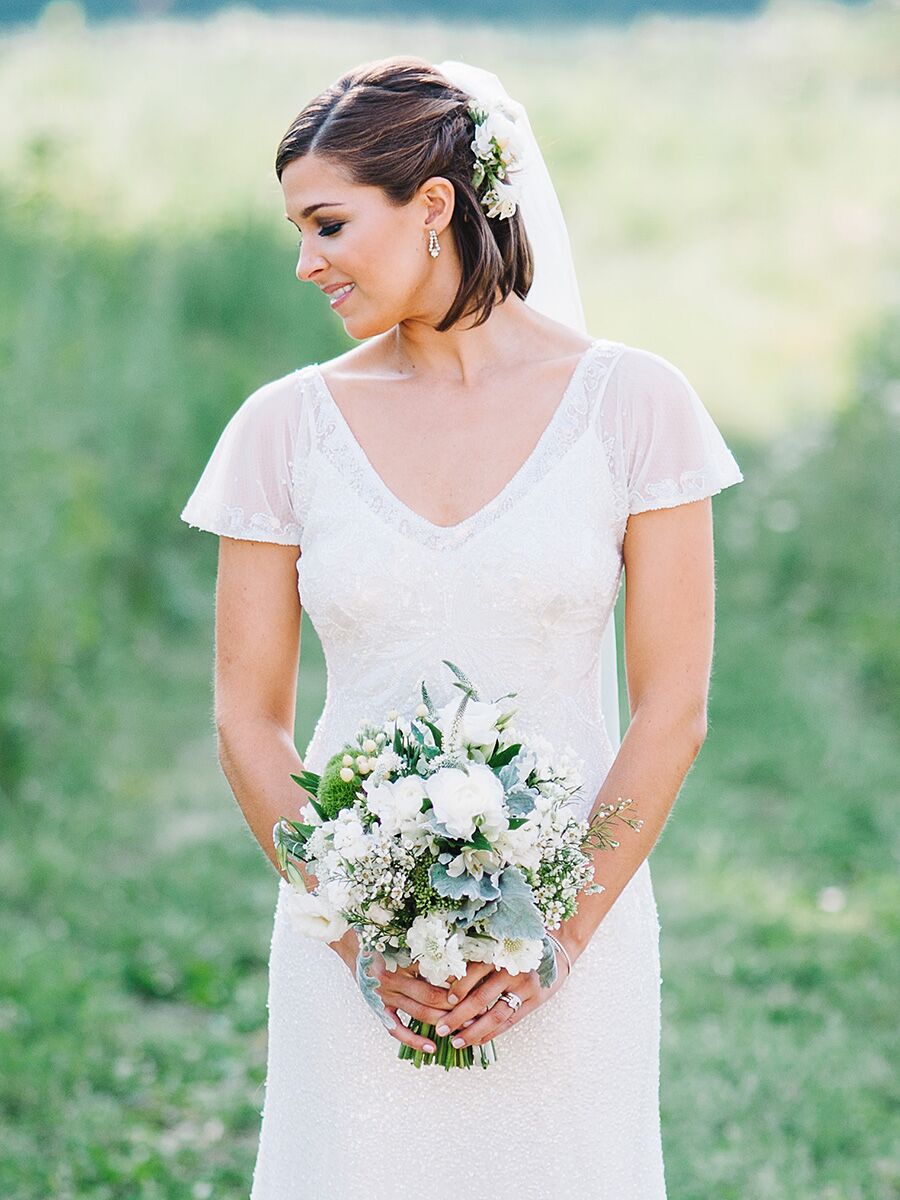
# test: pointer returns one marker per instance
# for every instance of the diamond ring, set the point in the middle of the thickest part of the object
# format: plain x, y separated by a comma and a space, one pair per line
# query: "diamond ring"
514, 1001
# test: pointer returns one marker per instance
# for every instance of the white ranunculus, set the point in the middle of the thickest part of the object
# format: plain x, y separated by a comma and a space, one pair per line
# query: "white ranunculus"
312, 915
348, 836
435, 949
465, 801
477, 949
478, 726
520, 846
398, 804
340, 893
517, 955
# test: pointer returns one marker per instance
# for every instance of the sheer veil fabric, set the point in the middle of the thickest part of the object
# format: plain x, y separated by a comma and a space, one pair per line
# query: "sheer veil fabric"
554, 290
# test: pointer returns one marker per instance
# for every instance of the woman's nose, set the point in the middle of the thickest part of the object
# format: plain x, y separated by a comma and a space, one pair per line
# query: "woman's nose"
308, 263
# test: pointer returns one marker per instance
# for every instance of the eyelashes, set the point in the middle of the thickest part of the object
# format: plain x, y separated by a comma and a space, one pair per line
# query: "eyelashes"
325, 231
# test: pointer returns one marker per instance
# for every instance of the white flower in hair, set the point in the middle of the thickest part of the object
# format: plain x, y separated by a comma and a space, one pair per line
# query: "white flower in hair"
499, 149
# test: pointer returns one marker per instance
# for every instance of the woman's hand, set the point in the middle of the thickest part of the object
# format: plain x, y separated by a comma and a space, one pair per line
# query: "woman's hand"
403, 989
479, 1015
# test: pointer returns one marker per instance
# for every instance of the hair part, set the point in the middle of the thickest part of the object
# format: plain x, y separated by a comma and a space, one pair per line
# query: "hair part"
392, 124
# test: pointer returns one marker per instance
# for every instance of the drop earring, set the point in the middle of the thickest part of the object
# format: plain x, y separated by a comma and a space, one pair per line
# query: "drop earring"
434, 246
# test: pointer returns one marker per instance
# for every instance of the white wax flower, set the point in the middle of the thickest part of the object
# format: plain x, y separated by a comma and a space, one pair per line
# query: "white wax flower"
435, 949
312, 915
517, 955
465, 801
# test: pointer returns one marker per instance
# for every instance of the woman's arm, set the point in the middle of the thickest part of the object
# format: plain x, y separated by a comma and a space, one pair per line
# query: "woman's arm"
669, 632
258, 616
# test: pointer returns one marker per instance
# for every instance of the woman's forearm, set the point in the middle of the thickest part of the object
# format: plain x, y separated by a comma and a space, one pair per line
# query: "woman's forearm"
657, 752
258, 758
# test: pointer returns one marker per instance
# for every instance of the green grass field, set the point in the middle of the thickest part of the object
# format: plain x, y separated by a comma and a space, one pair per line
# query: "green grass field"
147, 287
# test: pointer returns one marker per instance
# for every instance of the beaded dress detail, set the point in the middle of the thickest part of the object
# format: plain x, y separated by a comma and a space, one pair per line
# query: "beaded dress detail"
518, 594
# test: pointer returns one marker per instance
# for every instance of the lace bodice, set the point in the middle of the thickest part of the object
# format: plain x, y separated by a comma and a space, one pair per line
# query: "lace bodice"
518, 594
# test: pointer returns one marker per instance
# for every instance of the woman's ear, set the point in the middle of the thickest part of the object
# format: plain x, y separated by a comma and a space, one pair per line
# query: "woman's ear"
439, 198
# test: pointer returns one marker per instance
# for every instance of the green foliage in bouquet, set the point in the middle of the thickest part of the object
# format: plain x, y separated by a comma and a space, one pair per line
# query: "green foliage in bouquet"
335, 794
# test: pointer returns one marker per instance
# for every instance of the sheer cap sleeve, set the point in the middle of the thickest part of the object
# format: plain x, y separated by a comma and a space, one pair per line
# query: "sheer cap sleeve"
664, 447
249, 487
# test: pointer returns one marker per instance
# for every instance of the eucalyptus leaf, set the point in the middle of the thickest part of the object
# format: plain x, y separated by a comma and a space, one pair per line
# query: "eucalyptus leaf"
472, 911
547, 970
517, 915
462, 885
368, 985
520, 803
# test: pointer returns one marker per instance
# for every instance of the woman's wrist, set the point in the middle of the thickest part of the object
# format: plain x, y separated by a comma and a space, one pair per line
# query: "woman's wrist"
347, 948
561, 951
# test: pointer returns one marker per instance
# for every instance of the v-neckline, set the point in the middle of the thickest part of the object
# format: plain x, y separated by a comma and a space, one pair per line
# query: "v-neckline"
458, 526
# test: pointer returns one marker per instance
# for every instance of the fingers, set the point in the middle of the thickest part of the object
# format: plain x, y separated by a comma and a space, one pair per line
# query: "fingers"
497, 1021
476, 971
403, 988
483, 1015
477, 1002
402, 1034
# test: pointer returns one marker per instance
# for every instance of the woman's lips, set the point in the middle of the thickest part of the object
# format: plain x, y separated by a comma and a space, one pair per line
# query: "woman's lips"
340, 296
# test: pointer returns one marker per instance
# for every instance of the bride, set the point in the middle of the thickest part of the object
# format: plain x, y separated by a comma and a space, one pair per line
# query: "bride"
471, 482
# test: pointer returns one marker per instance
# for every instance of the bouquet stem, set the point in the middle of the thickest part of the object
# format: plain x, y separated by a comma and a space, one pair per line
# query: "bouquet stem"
446, 1054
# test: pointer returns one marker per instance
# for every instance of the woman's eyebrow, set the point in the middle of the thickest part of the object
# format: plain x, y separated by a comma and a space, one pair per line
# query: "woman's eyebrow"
308, 212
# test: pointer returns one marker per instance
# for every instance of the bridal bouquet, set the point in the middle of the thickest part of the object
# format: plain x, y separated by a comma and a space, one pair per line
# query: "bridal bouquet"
442, 839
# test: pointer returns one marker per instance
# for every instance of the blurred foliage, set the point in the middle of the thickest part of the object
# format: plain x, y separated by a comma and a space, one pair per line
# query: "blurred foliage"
536, 12
120, 363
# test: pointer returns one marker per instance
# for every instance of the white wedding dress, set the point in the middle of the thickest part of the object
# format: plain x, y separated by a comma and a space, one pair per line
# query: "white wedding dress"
518, 595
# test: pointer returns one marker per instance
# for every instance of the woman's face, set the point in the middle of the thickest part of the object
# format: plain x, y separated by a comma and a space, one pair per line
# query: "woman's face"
356, 236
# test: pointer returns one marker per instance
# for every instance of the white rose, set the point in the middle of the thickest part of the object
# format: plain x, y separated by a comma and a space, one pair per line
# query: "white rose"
378, 914
478, 726
463, 802
510, 141
312, 915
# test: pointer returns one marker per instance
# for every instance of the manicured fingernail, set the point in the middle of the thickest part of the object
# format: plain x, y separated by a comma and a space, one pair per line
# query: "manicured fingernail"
453, 999
443, 1030
470, 1021
457, 1042
428, 1048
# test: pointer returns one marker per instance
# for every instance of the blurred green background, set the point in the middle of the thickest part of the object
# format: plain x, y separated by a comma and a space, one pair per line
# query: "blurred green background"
731, 190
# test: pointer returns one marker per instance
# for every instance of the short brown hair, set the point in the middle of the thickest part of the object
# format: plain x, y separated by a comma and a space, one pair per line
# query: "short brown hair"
393, 123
